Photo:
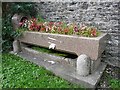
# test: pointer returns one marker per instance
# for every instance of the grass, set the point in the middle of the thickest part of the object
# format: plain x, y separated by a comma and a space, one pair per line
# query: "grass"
0, 70
112, 82
19, 73
45, 50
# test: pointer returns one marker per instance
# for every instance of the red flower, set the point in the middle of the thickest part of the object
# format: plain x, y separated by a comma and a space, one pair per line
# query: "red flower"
37, 26
76, 29
20, 24
33, 24
60, 23
34, 19
93, 32
51, 24
66, 30
31, 28
42, 29
59, 29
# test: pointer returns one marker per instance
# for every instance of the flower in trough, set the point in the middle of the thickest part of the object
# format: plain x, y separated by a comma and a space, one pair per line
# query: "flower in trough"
76, 30
20, 24
51, 24
93, 32
59, 27
59, 30
66, 30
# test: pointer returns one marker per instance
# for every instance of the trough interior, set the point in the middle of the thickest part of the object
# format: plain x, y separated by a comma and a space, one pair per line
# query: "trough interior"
51, 51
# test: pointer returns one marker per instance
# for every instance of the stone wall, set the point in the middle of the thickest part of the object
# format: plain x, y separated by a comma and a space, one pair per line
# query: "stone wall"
102, 14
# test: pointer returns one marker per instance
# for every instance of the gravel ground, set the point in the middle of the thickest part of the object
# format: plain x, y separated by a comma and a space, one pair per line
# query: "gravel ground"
110, 72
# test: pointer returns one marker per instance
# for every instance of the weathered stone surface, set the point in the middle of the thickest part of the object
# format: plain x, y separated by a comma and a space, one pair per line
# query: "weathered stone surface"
83, 65
16, 19
47, 57
68, 43
94, 64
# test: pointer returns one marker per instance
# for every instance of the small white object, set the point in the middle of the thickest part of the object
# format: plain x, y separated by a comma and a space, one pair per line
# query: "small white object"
34, 58
52, 46
15, 53
51, 38
55, 40
52, 62
45, 60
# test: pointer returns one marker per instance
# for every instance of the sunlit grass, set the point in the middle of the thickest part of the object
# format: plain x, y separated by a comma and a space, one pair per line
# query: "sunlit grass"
19, 73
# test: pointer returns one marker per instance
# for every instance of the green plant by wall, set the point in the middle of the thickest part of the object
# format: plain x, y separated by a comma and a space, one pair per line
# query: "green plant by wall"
8, 10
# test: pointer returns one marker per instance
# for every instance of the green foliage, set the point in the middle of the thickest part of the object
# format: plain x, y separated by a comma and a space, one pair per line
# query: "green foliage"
50, 51
40, 19
111, 81
9, 9
0, 70
18, 32
19, 73
70, 29
114, 83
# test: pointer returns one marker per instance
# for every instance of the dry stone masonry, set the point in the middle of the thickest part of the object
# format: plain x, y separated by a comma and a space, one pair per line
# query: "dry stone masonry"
103, 14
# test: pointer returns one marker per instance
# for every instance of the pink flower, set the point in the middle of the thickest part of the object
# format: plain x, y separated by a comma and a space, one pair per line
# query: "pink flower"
93, 32
59, 23
20, 24
76, 29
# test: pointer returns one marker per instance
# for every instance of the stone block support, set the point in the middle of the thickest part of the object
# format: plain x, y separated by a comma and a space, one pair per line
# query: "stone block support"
16, 46
83, 65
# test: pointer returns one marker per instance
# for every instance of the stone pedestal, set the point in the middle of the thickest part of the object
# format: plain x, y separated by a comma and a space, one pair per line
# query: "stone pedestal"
94, 65
17, 18
86, 66
83, 65
16, 46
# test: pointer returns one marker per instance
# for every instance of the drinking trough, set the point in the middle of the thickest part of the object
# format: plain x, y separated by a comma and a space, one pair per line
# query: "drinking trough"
88, 49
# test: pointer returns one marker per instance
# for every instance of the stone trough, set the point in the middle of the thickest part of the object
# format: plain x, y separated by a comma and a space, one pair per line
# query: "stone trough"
91, 47
88, 50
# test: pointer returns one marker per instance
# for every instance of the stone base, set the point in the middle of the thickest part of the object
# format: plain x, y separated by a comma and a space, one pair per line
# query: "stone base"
95, 64
16, 46
63, 69
47, 57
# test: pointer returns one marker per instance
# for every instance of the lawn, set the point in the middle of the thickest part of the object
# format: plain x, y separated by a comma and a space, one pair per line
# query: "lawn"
19, 73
